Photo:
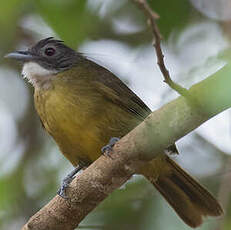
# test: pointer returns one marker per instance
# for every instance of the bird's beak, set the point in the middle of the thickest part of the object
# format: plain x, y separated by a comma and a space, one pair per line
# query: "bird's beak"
20, 56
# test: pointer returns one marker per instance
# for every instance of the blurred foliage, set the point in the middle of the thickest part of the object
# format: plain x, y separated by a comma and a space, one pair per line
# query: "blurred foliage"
10, 13
67, 19
174, 15
32, 167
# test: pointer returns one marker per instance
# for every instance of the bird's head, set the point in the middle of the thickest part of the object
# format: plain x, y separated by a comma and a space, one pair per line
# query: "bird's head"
44, 60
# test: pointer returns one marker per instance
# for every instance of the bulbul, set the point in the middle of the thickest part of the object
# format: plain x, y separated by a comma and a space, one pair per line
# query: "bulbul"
82, 105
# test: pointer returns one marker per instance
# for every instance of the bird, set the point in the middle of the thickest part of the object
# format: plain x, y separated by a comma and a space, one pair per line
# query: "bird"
83, 105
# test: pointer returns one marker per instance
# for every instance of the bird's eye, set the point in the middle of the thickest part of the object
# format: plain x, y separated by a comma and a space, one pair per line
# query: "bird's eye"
49, 51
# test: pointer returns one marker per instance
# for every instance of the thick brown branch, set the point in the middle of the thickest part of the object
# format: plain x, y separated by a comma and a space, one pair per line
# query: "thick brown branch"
86, 192
162, 128
152, 17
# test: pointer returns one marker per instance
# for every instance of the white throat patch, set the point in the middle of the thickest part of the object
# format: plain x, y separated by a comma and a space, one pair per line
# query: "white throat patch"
37, 75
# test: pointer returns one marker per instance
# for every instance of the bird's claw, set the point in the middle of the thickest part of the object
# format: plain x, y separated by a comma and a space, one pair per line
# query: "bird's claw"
107, 149
66, 182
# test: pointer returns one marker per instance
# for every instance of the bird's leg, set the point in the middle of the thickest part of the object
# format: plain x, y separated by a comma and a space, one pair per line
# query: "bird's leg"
67, 180
107, 149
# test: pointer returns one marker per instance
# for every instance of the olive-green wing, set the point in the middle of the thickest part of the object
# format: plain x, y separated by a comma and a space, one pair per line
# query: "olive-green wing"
115, 90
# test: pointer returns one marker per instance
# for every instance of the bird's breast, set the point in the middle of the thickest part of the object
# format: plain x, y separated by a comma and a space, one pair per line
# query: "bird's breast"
79, 119
70, 118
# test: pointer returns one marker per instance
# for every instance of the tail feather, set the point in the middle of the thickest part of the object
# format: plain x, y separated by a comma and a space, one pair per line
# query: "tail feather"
197, 193
189, 199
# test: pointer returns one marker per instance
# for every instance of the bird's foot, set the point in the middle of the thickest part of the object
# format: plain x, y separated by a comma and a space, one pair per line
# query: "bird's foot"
171, 150
67, 180
107, 149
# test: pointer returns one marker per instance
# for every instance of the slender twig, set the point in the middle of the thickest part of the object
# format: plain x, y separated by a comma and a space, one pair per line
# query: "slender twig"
152, 17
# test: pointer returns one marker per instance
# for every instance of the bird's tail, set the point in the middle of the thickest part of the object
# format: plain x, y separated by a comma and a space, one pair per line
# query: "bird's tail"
188, 198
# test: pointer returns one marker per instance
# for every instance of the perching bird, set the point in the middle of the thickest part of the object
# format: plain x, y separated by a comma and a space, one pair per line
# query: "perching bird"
82, 105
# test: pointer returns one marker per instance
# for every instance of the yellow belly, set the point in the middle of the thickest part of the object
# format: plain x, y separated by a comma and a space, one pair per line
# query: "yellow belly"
80, 120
